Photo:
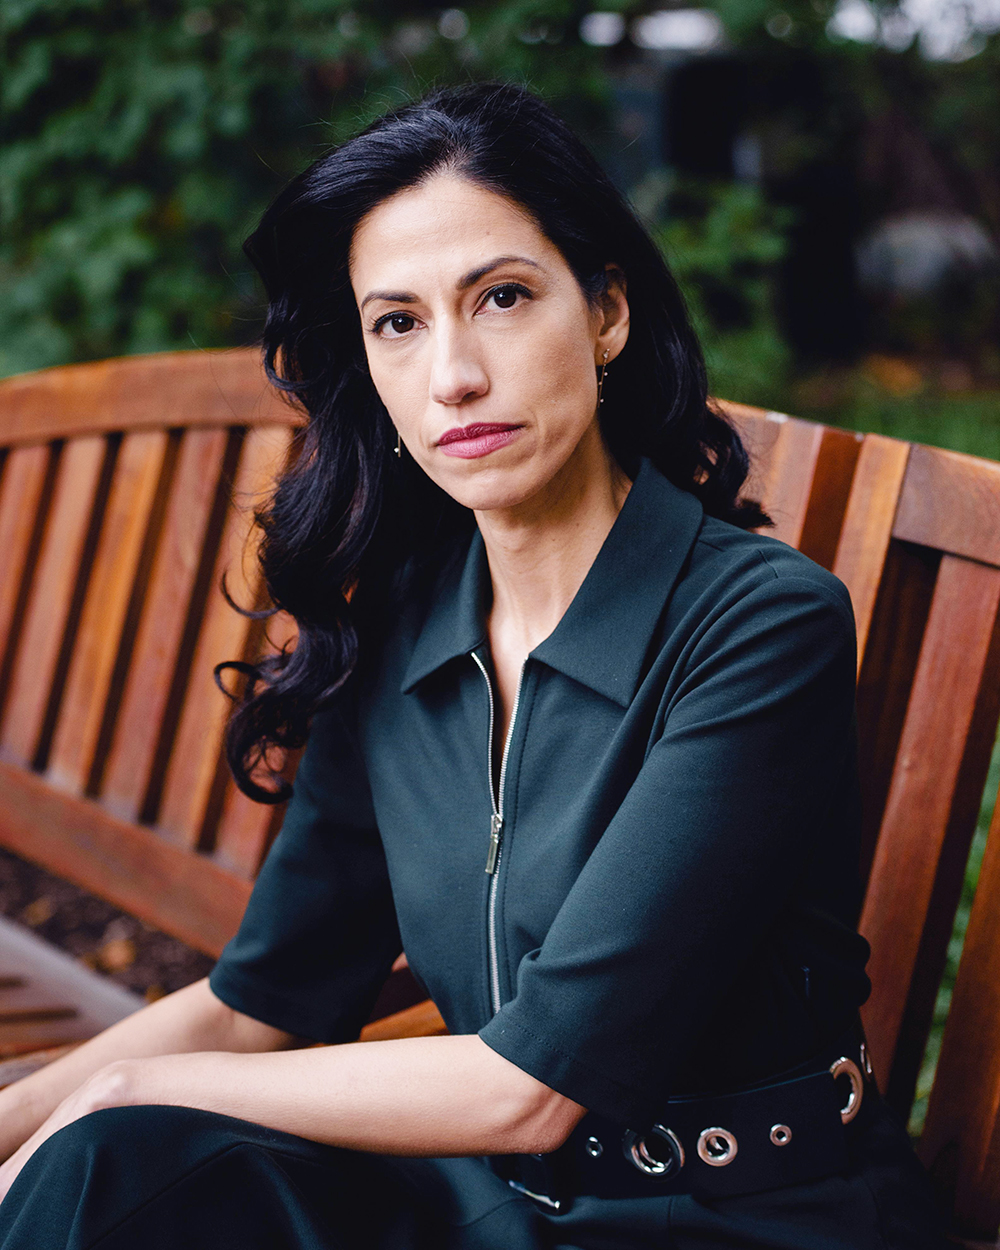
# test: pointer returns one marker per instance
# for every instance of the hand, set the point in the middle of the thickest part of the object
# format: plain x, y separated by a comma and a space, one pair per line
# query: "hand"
106, 1088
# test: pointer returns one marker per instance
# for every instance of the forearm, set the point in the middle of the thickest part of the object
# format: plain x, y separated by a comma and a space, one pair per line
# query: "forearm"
416, 1096
192, 1019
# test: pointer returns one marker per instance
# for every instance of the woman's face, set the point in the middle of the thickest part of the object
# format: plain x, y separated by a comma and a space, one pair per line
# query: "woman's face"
480, 342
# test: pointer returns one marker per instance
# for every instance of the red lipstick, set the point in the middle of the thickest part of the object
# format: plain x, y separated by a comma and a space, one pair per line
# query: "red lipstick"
468, 442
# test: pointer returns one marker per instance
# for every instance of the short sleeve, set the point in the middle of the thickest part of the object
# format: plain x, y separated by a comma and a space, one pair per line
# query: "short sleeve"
700, 857
319, 935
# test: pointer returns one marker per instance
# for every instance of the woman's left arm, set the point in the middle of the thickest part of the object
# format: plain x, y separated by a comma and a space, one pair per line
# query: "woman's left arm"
413, 1096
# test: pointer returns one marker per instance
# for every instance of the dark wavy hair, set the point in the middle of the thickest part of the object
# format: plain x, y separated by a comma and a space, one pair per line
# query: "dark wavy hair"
350, 523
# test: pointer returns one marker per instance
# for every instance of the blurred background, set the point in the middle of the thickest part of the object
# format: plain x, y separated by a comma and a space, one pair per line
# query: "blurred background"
823, 175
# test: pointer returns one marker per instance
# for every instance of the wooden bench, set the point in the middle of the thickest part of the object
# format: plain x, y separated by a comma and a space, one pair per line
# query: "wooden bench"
125, 493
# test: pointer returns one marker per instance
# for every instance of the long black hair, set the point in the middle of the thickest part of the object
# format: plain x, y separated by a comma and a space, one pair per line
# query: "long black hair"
349, 517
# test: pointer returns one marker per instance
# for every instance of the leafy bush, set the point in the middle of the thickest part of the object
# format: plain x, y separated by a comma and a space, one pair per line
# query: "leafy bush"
141, 139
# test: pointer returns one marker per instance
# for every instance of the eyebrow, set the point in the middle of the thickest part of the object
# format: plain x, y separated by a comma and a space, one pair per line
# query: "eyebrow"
467, 280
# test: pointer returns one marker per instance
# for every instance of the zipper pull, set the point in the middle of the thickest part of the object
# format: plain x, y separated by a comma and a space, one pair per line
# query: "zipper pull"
496, 824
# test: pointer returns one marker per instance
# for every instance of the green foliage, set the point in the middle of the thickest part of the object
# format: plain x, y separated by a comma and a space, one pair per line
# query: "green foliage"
142, 138
723, 243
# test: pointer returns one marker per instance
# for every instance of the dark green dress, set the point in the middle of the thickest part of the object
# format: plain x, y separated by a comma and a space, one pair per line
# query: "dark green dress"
658, 897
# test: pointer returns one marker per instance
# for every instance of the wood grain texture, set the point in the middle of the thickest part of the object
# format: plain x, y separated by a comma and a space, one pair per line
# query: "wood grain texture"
800, 474
951, 502
169, 389
176, 891
109, 591
928, 786
245, 832
960, 1144
192, 781
785, 473
246, 829
909, 574
829, 492
868, 525
20, 496
52, 597
163, 622
421, 1020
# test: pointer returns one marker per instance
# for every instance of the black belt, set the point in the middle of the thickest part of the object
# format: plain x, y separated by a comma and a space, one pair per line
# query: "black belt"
793, 1129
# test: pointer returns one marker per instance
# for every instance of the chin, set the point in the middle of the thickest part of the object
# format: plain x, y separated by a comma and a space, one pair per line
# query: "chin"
493, 488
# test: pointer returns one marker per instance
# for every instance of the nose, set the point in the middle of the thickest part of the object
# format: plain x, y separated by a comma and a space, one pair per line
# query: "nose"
457, 370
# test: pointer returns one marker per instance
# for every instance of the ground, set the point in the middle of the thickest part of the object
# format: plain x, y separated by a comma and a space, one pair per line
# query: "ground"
101, 936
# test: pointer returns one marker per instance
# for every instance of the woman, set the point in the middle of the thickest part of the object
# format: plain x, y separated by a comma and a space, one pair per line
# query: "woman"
535, 637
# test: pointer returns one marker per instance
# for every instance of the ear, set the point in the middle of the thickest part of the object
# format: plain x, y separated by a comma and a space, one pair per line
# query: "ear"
613, 334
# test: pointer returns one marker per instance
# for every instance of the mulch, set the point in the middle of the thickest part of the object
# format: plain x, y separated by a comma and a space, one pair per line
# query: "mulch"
108, 940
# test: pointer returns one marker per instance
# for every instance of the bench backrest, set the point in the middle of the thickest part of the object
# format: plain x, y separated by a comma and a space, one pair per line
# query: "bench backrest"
126, 490
920, 553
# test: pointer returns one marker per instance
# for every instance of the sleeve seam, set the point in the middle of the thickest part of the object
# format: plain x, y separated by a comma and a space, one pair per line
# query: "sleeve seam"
631, 1090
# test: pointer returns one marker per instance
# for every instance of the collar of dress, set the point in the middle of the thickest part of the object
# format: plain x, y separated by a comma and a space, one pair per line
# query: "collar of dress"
602, 638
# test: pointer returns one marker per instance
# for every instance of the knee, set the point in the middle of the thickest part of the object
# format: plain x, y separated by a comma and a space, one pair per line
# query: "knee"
116, 1129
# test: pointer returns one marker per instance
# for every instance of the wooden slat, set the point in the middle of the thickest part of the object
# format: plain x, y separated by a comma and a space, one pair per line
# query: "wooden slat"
52, 597
245, 828
192, 775
800, 473
162, 627
783, 456
20, 496
951, 502
933, 799
864, 540
421, 1020
829, 493
245, 832
895, 636
176, 891
170, 389
109, 592
961, 1139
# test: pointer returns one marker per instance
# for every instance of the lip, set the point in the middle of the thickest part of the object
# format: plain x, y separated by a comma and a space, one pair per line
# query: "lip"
468, 442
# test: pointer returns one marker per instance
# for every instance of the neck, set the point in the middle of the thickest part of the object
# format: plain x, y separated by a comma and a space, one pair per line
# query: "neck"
540, 552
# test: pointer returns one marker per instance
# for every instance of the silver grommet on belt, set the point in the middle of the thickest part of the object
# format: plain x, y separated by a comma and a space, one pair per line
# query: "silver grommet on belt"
781, 1134
594, 1148
847, 1067
717, 1147
637, 1151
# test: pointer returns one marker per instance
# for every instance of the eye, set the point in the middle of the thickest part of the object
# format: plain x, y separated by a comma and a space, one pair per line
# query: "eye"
398, 322
505, 296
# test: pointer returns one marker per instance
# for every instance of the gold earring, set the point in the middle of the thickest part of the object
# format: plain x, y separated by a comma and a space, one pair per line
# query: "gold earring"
399, 445
600, 385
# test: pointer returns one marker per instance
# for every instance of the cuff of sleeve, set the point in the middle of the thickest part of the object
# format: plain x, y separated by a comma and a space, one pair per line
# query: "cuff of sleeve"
260, 1002
546, 1062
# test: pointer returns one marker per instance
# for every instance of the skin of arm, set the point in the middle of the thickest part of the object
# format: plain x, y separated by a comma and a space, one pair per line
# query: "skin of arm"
414, 1096
192, 1019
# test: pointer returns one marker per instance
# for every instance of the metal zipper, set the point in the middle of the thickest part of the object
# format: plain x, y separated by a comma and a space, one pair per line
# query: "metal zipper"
495, 849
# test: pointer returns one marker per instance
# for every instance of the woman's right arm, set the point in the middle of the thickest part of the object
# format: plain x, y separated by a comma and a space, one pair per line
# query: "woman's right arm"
192, 1019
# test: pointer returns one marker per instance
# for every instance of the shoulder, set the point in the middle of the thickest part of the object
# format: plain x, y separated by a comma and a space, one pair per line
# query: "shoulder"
740, 586
750, 562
